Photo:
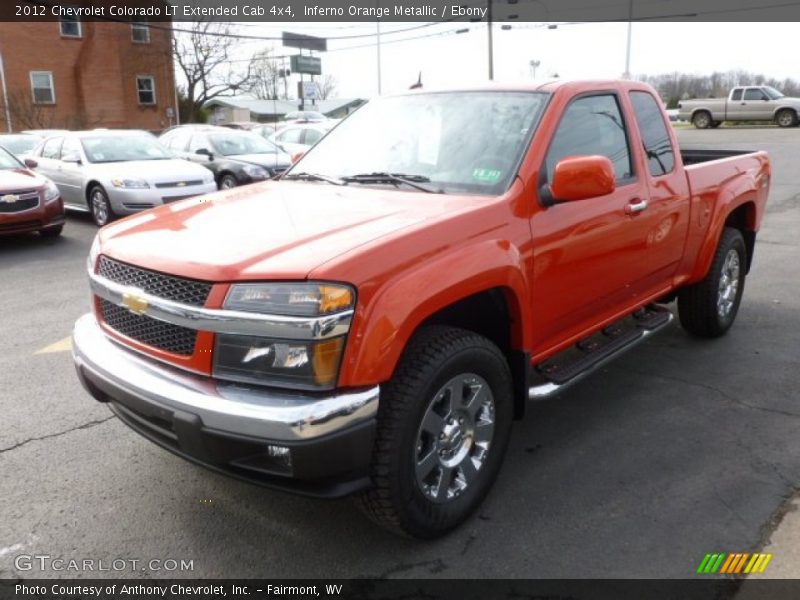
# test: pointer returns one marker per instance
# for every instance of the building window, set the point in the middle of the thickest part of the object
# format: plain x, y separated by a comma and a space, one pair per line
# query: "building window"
42, 86
146, 88
70, 26
140, 33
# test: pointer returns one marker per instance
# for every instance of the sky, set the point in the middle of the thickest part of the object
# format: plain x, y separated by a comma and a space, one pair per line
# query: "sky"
574, 51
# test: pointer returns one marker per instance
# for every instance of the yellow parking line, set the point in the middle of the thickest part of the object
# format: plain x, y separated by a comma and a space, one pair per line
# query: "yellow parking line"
64, 345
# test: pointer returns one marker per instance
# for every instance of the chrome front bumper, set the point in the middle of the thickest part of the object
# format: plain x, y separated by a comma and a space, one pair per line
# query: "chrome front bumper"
255, 412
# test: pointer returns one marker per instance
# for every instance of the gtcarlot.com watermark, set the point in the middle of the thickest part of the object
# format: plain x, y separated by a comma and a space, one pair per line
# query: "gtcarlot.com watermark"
45, 562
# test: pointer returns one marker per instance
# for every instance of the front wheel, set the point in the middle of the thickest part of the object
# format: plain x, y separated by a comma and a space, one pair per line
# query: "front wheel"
708, 308
227, 182
443, 427
102, 213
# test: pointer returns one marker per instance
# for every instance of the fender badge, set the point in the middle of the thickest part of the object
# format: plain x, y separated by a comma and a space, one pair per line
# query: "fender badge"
136, 304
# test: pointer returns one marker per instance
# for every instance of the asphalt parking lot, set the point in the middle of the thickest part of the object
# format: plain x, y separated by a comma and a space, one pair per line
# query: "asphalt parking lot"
680, 448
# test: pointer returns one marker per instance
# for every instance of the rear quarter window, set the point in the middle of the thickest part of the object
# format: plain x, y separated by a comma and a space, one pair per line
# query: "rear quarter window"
655, 137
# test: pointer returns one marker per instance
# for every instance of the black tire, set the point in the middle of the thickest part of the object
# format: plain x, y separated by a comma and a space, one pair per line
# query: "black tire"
227, 182
51, 232
701, 306
436, 356
100, 207
702, 119
786, 118
715, 124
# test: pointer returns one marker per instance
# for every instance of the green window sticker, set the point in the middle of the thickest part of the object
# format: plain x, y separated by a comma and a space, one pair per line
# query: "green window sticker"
486, 175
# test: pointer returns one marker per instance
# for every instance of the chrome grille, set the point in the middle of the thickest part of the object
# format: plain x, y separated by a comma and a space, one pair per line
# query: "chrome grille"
172, 184
177, 289
144, 329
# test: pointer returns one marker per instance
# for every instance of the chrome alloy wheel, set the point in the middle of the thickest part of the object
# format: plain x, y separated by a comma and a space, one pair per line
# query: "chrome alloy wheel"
728, 283
454, 438
99, 207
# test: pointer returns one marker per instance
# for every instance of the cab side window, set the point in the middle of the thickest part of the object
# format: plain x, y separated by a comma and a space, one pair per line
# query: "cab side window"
593, 125
71, 149
754, 94
52, 148
655, 137
737, 94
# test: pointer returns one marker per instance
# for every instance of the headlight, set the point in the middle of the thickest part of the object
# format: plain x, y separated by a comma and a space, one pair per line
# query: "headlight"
285, 363
256, 172
297, 364
290, 299
130, 183
51, 192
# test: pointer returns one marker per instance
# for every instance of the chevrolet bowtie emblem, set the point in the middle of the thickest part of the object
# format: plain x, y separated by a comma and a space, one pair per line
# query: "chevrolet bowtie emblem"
9, 198
136, 304
181, 184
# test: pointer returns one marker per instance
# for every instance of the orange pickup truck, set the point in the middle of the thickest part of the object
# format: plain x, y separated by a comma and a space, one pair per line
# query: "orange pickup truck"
372, 322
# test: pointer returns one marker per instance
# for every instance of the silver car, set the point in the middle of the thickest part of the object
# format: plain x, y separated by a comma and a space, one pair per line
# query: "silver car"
112, 173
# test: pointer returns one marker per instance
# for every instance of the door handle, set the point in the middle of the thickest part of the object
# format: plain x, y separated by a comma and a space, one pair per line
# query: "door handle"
635, 206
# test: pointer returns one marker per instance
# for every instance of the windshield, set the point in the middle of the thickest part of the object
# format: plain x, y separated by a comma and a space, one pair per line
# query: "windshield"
105, 149
772, 93
468, 142
9, 161
229, 144
19, 144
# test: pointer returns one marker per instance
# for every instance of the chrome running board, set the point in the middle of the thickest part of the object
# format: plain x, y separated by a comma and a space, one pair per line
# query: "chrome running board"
572, 365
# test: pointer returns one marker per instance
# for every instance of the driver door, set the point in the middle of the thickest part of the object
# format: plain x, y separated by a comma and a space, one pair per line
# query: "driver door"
587, 253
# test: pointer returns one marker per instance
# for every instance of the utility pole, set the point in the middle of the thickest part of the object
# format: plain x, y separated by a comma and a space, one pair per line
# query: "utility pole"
378, 39
491, 44
9, 128
627, 74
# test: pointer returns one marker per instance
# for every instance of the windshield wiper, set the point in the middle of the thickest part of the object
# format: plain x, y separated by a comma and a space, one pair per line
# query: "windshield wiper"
395, 178
315, 177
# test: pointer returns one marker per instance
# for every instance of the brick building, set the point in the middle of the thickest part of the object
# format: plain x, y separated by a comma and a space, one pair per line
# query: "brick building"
76, 75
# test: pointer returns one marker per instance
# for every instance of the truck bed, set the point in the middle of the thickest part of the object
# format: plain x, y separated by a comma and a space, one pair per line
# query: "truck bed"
693, 156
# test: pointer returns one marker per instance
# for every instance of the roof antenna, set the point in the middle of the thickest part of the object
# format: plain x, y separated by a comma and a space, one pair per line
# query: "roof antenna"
417, 85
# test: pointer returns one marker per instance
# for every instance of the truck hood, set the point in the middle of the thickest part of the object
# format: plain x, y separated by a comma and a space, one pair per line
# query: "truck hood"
270, 230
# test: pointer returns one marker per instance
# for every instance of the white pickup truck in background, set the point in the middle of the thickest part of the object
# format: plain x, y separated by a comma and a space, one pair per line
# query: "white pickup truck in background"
746, 103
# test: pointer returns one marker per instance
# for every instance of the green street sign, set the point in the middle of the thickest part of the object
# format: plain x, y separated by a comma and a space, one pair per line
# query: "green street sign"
311, 65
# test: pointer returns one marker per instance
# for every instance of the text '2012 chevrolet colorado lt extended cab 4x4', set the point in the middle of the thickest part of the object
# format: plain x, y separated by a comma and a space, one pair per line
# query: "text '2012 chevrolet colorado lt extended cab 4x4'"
372, 323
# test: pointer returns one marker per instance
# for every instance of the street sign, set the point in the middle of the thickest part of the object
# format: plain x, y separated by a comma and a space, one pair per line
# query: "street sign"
310, 90
309, 42
310, 65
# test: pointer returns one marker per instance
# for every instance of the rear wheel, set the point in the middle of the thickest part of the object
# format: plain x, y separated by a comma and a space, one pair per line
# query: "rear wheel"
443, 427
709, 307
102, 213
786, 118
702, 120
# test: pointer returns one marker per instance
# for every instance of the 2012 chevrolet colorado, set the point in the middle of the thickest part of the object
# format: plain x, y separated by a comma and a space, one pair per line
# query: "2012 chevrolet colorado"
371, 323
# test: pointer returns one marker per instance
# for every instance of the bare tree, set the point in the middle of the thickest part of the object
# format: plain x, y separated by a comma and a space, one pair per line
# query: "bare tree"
25, 114
264, 80
203, 55
327, 85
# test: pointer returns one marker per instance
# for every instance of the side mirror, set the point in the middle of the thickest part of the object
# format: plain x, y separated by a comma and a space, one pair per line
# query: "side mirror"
205, 152
581, 177
71, 158
30, 163
297, 156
